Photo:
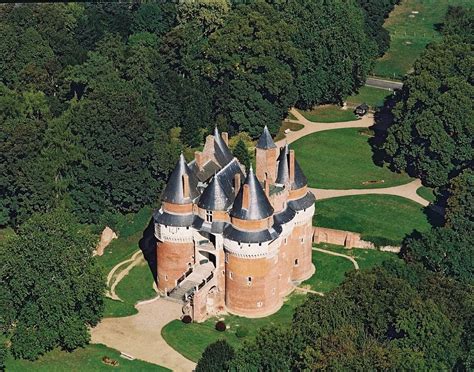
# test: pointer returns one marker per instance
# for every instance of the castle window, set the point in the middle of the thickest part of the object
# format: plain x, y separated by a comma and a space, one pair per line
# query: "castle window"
249, 280
279, 276
296, 262
260, 244
230, 275
259, 304
166, 277
286, 241
302, 239
273, 290
209, 216
226, 257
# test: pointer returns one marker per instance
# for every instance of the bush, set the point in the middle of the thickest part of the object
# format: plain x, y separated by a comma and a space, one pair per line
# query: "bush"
186, 319
220, 326
242, 332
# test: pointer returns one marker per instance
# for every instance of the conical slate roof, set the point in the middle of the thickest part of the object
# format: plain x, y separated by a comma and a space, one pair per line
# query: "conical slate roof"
174, 192
221, 150
265, 141
214, 198
259, 206
283, 175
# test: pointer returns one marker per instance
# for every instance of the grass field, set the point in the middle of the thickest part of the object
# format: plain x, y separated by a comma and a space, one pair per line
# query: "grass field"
426, 193
82, 359
287, 125
136, 286
411, 32
342, 159
374, 97
330, 270
191, 339
382, 219
328, 114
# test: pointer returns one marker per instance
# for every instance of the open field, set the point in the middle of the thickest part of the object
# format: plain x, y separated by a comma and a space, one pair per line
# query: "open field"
410, 32
382, 219
134, 287
342, 159
328, 114
191, 339
82, 359
374, 97
287, 125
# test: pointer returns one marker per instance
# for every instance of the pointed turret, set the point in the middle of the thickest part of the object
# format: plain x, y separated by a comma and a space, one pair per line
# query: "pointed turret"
214, 198
222, 152
283, 174
265, 141
289, 171
251, 203
182, 184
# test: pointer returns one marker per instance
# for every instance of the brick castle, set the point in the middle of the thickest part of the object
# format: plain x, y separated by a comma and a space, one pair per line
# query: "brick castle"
230, 239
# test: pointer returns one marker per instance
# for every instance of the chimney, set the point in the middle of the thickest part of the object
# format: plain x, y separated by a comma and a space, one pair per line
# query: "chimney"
185, 186
198, 158
236, 183
225, 137
292, 166
246, 197
267, 186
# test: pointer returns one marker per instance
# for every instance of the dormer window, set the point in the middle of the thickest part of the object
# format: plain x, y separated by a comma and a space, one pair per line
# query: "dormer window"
208, 216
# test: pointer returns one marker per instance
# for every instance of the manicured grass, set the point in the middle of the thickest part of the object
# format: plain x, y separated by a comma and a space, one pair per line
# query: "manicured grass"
342, 159
130, 231
410, 33
291, 116
374, 97
329, 114
287, 125
426, 193
382, 219
134, 287
82, 359
191, 339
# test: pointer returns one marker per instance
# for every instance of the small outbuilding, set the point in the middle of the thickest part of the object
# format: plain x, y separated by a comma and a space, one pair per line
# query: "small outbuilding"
362, 109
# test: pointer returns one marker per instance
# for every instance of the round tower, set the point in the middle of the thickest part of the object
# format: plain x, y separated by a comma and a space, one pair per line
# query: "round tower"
175, 247
251, 253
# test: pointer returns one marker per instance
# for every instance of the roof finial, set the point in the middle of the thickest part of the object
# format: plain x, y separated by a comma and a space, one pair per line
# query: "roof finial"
251, 168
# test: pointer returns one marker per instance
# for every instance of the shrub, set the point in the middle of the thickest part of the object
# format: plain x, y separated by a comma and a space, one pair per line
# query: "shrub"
186, 319
220, 326
242, 332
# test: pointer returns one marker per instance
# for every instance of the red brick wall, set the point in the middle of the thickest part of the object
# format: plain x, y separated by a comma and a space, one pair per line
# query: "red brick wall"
302, 252
172, 262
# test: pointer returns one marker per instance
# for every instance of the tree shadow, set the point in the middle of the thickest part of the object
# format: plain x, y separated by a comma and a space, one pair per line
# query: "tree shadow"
147, 245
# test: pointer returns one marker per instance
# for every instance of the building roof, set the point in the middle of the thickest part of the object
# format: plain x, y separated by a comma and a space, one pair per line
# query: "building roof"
174, 191
221, 150
214, 197
283, 174
302, 203
226, 176
266, 235
170, 219
259, 206
265, 141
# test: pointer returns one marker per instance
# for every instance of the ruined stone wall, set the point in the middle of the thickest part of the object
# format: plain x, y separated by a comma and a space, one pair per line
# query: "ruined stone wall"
347, 239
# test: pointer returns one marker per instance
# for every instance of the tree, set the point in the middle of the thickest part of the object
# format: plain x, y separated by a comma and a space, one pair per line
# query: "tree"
157, 18
216, 357
209, 14
460, 205
53, 285
241, 152
337, 53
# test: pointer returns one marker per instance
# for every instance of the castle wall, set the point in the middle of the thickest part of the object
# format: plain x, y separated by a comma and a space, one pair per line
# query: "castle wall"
173, 259
266, 164
301, 241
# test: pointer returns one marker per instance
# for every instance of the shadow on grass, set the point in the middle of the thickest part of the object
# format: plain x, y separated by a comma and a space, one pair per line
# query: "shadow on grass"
147, 245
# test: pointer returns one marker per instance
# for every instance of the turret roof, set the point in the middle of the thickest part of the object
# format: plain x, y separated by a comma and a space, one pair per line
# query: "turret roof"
214, 197
283, 174
174, 191
265, 141
259, 207
221, 150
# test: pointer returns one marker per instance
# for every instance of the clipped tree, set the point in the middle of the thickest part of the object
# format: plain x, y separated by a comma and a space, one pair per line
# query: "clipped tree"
53, 285
216, 357
241, 152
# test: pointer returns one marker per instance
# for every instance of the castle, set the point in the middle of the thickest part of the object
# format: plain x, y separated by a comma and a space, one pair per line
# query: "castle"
230, 239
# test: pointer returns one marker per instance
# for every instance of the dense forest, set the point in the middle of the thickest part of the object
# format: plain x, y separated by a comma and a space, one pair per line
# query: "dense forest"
97, 100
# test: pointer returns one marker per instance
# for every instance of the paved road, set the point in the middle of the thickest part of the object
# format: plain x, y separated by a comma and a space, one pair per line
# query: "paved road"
383, 84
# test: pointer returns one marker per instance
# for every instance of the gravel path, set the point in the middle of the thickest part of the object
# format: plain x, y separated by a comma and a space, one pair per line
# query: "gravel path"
139, 335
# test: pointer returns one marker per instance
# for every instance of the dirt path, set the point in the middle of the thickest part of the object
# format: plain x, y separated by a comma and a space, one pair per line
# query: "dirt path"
132, 261
306, 290
407, 191
354, 262
139, 335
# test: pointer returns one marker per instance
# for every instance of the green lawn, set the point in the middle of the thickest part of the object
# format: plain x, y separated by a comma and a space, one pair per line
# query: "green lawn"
82, 359
374, 97
426, 193
410, 33
130, 231
287, 125
191, 339
382, 219
136, 286
330, 270
329, 114
342, 159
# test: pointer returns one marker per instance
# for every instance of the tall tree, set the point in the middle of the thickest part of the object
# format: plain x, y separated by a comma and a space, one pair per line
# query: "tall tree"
52, 285
216, 357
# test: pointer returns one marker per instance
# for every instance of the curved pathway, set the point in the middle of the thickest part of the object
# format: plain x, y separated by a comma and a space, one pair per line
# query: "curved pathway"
354, 262
134, 260
139, 335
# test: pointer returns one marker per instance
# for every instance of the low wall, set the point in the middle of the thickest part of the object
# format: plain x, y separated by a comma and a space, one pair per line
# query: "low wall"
348, 239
